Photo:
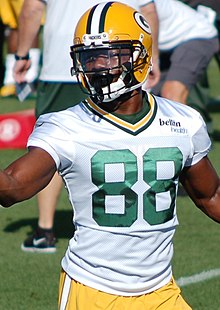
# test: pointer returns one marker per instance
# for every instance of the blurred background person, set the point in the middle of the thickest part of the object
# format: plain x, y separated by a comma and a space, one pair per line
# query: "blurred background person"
187, 42
9, 13
199, 96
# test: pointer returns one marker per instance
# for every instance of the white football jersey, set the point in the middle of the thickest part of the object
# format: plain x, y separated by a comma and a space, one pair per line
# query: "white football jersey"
122, 179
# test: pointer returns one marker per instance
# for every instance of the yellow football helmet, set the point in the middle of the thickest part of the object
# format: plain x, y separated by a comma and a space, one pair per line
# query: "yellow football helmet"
112, 50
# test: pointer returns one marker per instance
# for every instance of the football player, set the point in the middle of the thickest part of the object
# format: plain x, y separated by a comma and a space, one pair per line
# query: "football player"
121, 154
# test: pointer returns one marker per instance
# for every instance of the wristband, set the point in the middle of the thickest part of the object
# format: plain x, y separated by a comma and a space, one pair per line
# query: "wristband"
26, 57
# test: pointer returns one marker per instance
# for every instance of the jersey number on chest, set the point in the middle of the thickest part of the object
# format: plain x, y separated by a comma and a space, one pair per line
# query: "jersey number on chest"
117, 201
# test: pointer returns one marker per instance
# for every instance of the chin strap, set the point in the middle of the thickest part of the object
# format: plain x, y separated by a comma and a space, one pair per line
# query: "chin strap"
105, 90
116, 90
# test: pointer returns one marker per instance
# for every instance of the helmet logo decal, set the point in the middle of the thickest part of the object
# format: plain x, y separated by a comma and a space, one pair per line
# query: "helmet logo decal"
141, 21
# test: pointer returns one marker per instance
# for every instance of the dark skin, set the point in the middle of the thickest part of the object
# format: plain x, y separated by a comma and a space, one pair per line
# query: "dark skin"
121, 106
202, 184
29, 174
32, 172
26, 176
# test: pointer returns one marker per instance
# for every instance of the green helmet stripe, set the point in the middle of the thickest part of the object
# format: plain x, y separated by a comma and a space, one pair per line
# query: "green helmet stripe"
102, 17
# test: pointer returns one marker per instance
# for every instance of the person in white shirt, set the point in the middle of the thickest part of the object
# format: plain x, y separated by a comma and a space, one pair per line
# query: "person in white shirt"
187, 42
9, 14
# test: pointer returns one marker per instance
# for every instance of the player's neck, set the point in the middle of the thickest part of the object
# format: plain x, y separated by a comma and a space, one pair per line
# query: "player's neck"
131, 106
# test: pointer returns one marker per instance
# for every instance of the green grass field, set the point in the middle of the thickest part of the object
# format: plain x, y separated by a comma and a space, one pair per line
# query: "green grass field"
30, 281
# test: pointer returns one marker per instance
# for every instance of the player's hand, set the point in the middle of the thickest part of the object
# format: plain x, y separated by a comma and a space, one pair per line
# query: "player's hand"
20, 70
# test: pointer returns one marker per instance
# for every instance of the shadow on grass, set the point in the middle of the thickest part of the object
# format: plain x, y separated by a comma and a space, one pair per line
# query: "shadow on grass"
63, 226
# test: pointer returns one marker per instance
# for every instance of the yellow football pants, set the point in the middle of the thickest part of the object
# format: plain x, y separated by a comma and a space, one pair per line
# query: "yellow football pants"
76, 296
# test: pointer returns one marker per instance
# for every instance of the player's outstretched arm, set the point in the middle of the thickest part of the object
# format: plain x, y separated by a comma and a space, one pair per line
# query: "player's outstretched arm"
26, 176
203, 186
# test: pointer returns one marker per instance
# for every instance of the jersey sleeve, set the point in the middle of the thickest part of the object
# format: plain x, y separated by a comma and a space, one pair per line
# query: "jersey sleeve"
201, 143
49, 135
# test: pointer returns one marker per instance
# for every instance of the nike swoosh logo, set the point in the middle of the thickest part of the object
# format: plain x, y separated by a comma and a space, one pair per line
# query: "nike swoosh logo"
37, 242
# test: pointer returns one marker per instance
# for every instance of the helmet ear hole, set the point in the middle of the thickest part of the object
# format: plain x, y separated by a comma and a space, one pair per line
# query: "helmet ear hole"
72, 71
143, 53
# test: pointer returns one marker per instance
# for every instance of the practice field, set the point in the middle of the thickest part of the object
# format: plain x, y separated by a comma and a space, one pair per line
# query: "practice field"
30, 281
